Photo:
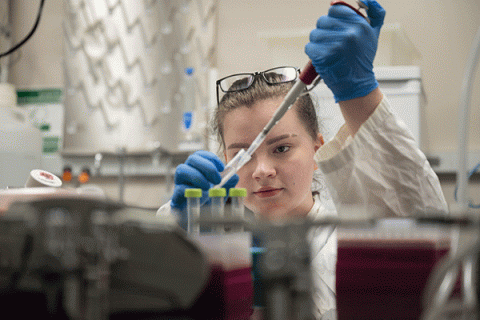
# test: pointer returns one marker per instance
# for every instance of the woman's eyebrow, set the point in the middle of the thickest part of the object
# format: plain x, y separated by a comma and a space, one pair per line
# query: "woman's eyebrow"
283, 136
238, 145
241, 145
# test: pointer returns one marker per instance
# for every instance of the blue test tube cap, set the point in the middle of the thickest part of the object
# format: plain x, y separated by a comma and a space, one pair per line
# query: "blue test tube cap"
189, 71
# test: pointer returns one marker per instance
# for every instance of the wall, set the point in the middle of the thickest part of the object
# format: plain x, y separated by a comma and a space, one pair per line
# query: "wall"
442, 31
40, 59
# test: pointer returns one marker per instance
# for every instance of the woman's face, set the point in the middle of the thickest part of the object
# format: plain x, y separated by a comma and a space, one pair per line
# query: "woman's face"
278, 178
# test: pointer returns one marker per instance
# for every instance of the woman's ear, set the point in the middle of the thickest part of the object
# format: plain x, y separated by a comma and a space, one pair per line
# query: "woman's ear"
319, 142
317, 145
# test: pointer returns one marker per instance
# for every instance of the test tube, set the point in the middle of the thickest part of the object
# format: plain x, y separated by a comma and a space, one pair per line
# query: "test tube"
193, 196
217, 196
238, 210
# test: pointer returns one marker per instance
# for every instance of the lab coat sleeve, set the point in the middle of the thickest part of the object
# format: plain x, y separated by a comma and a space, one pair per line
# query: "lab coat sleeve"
166, 211
381, 166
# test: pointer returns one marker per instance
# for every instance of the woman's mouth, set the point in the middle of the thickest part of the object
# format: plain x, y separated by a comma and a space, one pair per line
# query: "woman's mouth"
267, 192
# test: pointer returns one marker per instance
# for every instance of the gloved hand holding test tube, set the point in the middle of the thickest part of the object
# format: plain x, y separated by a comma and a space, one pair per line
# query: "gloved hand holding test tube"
306, 77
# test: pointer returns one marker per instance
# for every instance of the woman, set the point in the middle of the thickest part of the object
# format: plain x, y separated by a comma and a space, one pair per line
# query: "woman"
372, 160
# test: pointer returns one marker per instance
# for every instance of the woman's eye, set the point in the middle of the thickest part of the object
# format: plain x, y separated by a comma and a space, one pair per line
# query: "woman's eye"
282, 149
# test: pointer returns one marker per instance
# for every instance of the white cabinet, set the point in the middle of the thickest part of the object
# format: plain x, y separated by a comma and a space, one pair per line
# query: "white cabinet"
402, 85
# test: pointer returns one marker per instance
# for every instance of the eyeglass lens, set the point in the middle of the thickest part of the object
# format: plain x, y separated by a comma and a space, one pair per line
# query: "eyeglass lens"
242, 81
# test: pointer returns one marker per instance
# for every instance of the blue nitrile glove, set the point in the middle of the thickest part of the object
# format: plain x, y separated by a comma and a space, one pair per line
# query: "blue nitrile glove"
200, 170
342, 49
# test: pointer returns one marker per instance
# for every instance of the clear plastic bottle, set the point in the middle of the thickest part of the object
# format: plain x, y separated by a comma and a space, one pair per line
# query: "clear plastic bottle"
193, 196
189, 105
237, 196
217, 197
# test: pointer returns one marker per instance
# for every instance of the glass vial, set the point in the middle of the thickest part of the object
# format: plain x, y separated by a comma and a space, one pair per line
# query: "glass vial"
217, 197
193, 210
237, 196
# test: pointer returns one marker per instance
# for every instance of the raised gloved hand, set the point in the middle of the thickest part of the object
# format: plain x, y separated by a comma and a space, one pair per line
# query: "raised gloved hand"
342, 49
201, 170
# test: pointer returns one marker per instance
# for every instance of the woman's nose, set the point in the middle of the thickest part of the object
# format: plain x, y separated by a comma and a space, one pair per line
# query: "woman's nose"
263, 168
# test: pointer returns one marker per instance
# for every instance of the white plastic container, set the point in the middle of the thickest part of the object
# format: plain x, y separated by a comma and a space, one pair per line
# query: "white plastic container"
402, 85
20, 141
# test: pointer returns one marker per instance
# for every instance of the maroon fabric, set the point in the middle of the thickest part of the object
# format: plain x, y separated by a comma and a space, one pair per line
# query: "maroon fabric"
228, 295
379, 279
239, 293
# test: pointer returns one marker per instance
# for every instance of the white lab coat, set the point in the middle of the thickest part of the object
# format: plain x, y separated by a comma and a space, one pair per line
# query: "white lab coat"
381, 166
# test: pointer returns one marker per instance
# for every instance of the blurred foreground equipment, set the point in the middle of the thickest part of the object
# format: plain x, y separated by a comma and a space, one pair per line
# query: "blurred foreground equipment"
71, 256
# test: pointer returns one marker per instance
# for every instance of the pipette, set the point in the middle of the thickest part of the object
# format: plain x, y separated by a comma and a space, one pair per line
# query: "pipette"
305, 78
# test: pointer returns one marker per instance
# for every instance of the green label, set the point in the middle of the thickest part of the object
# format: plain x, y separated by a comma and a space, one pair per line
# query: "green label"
39, 96
50, 144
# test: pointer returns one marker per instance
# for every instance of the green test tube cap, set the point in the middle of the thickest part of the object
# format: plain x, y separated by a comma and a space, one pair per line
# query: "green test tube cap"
238, 192
217, 192
193, 193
